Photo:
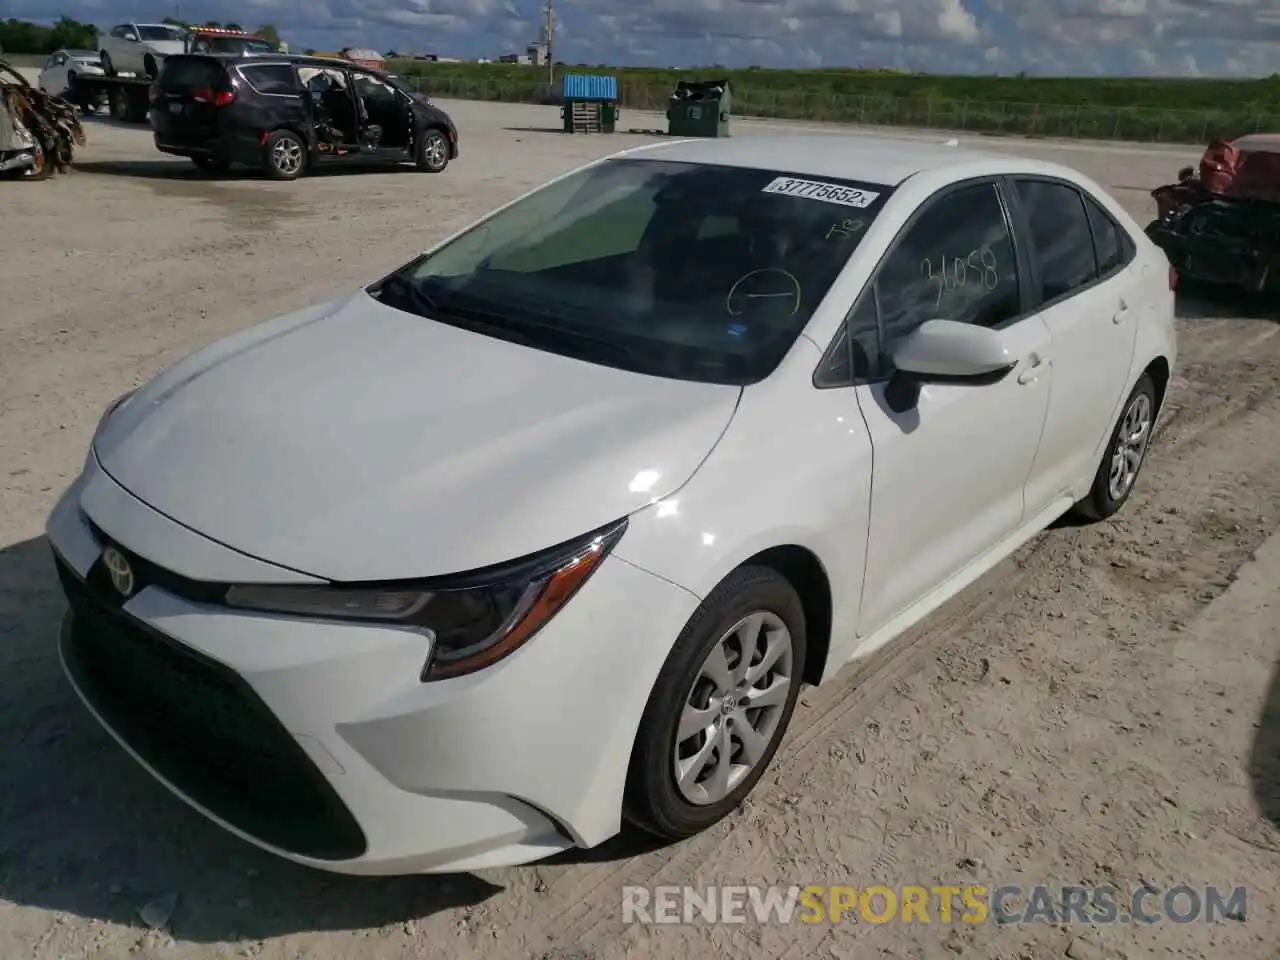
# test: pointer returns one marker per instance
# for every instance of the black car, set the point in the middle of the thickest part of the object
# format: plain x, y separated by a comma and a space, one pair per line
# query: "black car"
281, 114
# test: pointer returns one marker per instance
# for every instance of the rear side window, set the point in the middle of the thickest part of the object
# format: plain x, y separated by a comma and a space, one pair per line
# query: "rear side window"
275, 78
1061, 235
189, 73
1115, 247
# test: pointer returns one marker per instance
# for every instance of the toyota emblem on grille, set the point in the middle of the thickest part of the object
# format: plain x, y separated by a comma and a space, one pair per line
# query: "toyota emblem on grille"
119, 570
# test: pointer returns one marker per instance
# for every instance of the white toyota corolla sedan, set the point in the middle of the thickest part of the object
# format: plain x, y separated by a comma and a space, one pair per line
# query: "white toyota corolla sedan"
544, 530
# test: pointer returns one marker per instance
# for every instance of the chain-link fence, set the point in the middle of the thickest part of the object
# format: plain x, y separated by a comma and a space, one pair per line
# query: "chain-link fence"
1136, 123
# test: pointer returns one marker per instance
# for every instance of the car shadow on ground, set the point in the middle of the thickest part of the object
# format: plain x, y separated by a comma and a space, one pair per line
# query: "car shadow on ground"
1264, 763
188, 171
1202, 301
83, 830
556, 130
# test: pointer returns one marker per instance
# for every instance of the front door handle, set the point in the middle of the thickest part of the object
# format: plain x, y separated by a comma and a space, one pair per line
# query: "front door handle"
1119, 316
1030, 375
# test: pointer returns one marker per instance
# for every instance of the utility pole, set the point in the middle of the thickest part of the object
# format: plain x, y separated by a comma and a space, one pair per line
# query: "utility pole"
550, 37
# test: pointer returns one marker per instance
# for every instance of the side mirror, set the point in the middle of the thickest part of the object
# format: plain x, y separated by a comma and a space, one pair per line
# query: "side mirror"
132, 37
942, 350
1186, 173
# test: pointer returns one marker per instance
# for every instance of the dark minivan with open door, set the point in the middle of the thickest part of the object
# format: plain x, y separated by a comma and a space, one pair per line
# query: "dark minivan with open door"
281, 114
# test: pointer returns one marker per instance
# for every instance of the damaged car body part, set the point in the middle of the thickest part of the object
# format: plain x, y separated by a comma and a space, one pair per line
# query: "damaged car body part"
281, 114
1220, 223
38, 131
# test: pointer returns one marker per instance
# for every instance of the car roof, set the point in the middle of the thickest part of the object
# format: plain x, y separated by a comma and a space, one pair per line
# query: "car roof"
297, 59
869, 158
1258, 142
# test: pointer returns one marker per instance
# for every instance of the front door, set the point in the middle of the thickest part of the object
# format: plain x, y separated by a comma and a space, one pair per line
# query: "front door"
1089, 286
950, 468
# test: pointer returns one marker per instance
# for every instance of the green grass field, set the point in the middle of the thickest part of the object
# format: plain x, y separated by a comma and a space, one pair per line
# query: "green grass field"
1144, 109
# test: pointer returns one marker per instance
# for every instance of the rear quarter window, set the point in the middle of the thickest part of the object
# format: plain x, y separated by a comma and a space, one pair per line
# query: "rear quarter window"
275, 78
1114, 245
187, 73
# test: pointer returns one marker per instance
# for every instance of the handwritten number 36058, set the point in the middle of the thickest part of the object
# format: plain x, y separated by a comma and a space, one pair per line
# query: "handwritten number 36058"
978, 268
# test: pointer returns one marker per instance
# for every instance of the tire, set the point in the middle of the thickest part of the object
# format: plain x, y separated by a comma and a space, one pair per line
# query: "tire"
120, 109
433, 151
654, 800
108, 67
1123, 459
284, 156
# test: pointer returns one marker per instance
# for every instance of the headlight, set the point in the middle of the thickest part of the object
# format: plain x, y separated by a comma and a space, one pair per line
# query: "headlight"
474, 620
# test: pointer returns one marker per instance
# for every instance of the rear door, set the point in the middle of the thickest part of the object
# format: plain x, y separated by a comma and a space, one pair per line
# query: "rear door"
1088, 283
192, 96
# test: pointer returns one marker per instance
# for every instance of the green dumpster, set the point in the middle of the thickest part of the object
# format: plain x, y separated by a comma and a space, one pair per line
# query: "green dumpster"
699, 108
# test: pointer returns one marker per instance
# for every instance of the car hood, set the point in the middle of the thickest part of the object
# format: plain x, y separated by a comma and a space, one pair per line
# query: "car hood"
353, 441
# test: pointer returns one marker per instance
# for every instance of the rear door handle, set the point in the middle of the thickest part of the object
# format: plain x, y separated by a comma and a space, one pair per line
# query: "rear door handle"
1030, 375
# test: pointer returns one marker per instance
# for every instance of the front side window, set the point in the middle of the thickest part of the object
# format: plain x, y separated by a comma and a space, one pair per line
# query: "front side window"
158, 33
1061, 236
674, 269
956, 261
370, 87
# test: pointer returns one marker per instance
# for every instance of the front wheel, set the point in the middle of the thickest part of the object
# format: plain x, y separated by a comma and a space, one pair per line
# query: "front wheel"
1126, 452
286, 155
720, 706
433, 151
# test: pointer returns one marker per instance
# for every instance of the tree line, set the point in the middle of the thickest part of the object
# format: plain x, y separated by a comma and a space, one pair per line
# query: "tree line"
21, 36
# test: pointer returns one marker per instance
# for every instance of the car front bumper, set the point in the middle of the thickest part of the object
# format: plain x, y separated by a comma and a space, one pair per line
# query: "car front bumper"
319, 742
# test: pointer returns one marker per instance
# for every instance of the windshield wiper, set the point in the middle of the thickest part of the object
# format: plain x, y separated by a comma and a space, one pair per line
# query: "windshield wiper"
514, 322
500, 324
402, 289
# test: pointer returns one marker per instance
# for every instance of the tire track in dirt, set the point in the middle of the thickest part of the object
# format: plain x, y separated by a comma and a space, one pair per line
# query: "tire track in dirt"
1217, 383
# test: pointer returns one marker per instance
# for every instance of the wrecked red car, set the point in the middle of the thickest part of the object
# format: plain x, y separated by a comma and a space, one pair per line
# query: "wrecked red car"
1221, 223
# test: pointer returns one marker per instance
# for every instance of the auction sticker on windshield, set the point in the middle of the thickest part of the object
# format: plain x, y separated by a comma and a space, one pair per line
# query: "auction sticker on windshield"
817, 190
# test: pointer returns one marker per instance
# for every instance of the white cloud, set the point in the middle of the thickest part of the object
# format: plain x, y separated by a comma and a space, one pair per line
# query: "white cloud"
1228, 37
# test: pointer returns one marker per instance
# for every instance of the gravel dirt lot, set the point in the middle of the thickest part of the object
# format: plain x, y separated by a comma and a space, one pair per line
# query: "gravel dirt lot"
1102, 708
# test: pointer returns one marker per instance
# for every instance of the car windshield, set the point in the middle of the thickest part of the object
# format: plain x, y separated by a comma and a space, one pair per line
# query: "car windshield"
679, 270
160, 33
400, 85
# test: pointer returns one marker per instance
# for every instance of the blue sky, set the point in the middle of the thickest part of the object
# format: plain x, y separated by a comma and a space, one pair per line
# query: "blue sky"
1183, 37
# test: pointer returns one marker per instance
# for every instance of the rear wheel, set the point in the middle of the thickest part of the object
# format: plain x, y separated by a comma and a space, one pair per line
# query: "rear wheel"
120, 106
433, 151
1126, 452
286, 156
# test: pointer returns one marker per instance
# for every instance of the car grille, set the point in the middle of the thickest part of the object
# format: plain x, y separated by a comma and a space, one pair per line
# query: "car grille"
201, 727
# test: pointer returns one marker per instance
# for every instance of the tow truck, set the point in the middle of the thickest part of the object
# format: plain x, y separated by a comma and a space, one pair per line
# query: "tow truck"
129, 95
